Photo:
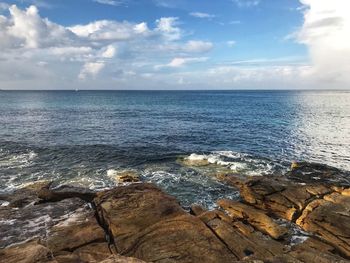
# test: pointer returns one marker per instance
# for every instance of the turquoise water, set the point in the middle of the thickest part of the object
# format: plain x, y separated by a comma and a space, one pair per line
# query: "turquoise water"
83, 137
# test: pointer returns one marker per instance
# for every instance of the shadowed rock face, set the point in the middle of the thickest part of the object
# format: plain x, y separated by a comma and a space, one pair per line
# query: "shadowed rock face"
140, 223
305, 172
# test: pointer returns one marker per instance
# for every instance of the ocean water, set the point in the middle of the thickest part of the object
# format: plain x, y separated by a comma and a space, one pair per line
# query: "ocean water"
83, 138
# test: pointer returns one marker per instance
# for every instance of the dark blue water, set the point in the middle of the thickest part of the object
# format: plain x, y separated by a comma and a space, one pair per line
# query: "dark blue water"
85, 137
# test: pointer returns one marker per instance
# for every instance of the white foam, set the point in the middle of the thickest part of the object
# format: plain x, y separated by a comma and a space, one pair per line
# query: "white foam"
237, 162
112, 173
18, 161
196, 157
5, 203
7, 222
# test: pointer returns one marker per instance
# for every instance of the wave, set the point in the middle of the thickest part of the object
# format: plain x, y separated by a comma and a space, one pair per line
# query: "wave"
237, 162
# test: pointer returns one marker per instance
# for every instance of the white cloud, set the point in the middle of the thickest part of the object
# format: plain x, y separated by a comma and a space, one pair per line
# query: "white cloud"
84, 50
25, 28
196, 46
91, 69
109, 30
168, 27
141, 28
109, 2
202, 15
109, 52
246, 3
326, 32
37, 53
180, 62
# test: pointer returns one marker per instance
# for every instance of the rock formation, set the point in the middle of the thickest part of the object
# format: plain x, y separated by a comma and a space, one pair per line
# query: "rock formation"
140, 223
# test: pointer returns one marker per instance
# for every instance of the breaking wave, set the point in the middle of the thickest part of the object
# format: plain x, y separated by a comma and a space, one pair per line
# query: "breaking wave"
241, 163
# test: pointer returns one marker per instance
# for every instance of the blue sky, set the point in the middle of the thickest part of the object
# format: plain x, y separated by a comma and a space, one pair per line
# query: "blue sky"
170, 44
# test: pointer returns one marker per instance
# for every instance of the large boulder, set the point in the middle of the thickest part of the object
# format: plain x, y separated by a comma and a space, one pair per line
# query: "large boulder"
148, 224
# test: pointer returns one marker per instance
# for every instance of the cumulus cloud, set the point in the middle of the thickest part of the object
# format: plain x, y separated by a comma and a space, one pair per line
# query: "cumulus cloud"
40, 53
86, 49
25, 28
109, 52
109, 30
91, 69
202, 15
168, 26
326, 32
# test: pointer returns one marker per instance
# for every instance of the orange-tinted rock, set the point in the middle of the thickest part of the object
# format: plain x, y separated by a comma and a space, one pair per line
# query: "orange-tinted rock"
253, 216
121, 259
329, 218
79, 229
150, 225
25, 253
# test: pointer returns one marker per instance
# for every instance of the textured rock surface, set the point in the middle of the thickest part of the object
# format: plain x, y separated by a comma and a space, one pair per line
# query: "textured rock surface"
319, 208
140, 223
150, 225
254, 217
126, 176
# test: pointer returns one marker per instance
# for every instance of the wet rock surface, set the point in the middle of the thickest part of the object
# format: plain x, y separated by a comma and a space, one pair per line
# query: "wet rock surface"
140, 223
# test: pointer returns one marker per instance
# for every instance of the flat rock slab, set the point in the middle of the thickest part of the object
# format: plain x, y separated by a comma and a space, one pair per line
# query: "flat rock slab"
254, 217
150, 225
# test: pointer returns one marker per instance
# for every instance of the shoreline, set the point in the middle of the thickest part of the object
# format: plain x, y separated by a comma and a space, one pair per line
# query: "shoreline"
141, 223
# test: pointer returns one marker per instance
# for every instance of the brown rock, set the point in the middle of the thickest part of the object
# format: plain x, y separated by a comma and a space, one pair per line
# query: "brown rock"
126, 176
256, 218
121, 259
280, 197
245, 229
20, 224
150, 225
210, 215
94, 252
197, 210
329, 218
243, 246
79, 229
29, 252
305, 172
46, 194
313, 250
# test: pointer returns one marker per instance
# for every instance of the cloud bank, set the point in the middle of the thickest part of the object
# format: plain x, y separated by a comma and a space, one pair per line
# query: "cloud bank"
37, 53
326, 32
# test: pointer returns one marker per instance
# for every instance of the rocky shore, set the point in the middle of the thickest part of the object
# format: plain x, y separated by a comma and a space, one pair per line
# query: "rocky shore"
138, 222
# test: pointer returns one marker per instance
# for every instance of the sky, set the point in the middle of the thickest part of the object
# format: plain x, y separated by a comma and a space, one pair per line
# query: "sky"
174, 44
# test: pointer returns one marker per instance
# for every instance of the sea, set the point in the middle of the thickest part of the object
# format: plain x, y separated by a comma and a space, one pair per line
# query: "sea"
85, 138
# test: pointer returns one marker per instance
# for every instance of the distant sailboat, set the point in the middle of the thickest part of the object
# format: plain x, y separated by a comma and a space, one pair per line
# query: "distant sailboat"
76, 90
